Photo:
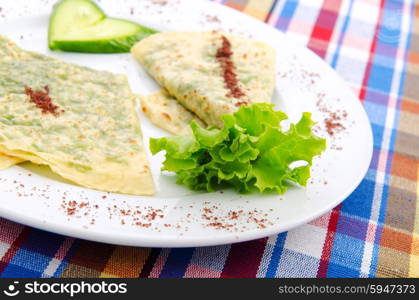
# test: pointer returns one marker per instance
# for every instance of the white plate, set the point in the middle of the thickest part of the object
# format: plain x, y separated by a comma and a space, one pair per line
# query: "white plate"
177, 217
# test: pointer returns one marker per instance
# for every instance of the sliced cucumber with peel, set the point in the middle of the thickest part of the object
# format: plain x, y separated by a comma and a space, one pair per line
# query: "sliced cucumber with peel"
82, 26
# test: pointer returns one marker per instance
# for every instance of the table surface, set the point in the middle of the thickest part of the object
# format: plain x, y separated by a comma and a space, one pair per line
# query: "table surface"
374, 46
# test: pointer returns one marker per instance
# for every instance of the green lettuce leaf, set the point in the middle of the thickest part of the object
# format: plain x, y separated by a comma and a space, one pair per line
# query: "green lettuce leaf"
250, 152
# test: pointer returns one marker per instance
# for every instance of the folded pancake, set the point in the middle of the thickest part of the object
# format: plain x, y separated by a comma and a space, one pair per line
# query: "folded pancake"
7, 53
167, 113
7, 161
80, 122
209, 73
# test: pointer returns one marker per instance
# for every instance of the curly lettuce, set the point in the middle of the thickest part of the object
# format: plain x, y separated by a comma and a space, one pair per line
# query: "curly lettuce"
250, 152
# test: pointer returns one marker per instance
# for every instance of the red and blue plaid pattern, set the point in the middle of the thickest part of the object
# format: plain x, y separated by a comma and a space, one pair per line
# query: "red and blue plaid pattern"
374, 45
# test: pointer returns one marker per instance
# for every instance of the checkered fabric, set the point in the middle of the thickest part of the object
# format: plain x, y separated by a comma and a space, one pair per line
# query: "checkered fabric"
374, 46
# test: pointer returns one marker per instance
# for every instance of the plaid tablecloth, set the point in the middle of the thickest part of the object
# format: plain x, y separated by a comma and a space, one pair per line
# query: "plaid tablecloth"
374, 45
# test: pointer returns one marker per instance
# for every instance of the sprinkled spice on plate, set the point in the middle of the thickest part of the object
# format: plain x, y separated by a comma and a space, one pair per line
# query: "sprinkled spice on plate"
332, 124
160, 2
333, 120
212, 19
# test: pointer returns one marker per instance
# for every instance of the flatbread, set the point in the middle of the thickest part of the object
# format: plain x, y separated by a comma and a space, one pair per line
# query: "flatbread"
94, 140
186, 65
7, 53
7, 161
167, 113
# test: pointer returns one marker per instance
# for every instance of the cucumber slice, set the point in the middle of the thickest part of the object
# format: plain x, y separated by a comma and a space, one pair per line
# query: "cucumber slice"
108, 36
72, 15
73, 29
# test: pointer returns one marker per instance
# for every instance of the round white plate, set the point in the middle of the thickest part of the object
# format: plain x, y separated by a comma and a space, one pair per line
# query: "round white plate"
176, 216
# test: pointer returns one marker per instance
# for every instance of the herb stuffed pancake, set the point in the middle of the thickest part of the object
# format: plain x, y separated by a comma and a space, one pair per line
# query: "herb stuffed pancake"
209, 73
7, 161
8, 52
80, 122
166, 112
